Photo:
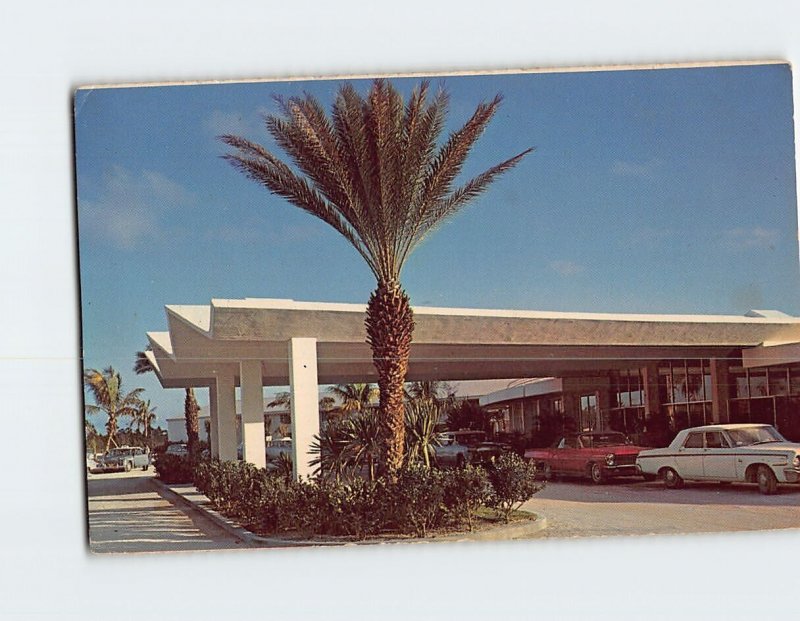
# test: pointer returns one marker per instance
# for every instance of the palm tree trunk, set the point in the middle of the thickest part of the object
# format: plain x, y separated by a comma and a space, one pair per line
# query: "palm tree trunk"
390, 323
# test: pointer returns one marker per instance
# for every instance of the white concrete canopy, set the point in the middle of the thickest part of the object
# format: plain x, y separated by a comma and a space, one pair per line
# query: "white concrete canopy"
225, 342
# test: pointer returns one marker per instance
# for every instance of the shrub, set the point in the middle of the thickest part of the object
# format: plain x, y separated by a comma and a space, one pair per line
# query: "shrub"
513, 482
174, 468
416, 500
465, 490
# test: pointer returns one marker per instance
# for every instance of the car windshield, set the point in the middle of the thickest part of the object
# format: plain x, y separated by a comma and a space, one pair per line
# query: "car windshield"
747, 436
470, 439
593, 440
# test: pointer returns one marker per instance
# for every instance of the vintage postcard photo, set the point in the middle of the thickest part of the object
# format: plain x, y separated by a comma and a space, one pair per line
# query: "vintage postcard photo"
469, 307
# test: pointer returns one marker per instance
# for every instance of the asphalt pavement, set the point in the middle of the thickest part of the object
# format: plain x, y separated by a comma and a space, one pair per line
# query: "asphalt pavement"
575, 508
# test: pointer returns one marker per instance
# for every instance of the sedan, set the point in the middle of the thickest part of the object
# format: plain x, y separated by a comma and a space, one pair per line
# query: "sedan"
596, 455
746, 453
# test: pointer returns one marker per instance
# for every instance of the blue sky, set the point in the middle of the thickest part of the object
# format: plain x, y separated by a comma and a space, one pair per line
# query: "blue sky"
667, 190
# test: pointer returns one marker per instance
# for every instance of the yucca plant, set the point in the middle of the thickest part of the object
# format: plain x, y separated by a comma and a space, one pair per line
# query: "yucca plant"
421, 438
364, 442
329, 449
376, 172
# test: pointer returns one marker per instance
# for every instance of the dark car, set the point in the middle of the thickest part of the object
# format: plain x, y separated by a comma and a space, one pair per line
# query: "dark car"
458, 448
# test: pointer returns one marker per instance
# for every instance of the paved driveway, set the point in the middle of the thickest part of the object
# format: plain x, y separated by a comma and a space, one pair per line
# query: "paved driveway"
127, 514
575, 509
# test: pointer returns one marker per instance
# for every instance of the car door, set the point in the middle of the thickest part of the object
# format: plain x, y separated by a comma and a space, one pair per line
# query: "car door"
557, 456
571, 457
689, 460
719, 462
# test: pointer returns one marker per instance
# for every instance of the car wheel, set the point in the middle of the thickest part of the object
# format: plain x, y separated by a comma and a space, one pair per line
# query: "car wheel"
672, 480
767, 483
548, 472
597, 474
460, 461
128, 466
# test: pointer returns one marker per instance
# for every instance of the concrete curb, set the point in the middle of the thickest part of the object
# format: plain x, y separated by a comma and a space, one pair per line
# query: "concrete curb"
519, 530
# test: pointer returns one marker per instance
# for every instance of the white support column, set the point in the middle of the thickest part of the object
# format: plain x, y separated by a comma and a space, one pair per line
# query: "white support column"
304, 392
253, 448
226, 416
213, 437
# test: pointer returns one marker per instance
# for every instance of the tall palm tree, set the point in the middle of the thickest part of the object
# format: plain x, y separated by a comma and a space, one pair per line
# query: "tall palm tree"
376, 172
353, 398
106, 388
191, 411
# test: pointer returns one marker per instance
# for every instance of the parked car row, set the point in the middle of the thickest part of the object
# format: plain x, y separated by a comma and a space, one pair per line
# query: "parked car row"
745, 453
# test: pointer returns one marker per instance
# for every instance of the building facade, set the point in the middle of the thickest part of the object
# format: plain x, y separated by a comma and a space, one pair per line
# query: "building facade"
651, 403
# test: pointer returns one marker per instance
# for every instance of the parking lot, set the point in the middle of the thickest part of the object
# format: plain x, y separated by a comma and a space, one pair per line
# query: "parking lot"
576, 508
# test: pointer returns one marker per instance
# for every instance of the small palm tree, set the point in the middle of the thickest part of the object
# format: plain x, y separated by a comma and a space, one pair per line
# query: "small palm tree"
375, 171
330, 450
106, 388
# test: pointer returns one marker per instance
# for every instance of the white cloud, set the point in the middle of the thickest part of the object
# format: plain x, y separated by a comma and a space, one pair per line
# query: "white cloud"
756, 237
129, 208
566, 268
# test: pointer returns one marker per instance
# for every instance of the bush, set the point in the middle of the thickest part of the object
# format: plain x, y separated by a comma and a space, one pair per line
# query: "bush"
465, 490
513, 482
416, 500
419, 501
174, 468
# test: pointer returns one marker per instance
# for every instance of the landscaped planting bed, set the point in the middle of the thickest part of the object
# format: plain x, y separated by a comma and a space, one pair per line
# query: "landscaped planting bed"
421, 502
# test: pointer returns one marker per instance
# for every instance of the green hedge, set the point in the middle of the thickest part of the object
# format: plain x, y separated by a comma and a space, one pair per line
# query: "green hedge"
173, 468
419, 501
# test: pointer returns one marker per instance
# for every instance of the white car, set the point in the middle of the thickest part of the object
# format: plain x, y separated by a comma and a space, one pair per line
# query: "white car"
746, 453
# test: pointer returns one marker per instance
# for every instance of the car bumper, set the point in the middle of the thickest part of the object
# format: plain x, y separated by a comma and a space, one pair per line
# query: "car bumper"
626, 470
792, 475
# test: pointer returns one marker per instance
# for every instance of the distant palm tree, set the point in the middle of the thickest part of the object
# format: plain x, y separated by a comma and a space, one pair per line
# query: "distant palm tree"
375, 171
142, 421
106, 388
191, 411
431, 391
354, 397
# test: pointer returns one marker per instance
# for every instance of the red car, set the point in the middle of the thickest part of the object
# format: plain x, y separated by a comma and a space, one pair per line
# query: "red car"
597, 455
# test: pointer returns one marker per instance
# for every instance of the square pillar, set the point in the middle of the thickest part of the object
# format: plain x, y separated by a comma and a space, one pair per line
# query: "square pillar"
226, 416
720, 390
304, 393
213, 435
253, 447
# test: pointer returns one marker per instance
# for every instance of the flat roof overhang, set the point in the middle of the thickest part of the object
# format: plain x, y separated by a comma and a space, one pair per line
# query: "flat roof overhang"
449, 343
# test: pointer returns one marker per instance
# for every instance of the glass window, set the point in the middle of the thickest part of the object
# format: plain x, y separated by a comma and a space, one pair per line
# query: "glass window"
758, 383
741, 387
778, 381
695, 384
694, 440
679, 392
794, 381
714, 439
